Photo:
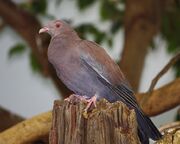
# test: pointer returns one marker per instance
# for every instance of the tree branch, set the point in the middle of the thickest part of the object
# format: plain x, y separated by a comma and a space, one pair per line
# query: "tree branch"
163, 71
142, 22
162, 99
28, 130
27, 26
158, 76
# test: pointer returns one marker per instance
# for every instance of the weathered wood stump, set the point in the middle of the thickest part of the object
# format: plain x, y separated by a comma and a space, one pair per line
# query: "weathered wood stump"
108, 123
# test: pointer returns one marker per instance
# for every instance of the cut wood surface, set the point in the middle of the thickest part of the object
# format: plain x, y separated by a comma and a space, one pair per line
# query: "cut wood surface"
106, 124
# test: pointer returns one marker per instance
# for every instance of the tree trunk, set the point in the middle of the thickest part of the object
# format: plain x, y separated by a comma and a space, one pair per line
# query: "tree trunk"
108, 123
142, 22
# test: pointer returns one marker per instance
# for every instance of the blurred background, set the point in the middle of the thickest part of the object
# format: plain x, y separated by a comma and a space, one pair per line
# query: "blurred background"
140, 36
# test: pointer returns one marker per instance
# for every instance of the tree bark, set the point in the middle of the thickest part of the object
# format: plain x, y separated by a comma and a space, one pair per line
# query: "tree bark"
107, 124
27, 131
142, 22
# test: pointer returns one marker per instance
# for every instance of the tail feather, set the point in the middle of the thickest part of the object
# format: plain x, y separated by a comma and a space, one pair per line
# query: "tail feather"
146, 125
143, 137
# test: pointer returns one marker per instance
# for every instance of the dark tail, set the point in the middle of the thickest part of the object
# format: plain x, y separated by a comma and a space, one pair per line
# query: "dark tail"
146, 126
143, 137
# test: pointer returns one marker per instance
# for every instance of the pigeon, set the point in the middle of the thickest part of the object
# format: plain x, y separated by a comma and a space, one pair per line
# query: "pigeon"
87, 70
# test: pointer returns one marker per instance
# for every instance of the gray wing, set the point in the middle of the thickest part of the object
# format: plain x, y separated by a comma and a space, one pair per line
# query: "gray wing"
102, 62
122, 91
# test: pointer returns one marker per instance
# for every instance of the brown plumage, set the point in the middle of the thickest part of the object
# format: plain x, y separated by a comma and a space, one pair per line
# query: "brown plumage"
87, 70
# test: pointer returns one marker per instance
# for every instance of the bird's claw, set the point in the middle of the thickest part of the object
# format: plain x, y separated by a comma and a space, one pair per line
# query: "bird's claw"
76, 98
91, 101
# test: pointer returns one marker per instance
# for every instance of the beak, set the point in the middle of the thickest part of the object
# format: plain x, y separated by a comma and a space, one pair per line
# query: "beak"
44, 29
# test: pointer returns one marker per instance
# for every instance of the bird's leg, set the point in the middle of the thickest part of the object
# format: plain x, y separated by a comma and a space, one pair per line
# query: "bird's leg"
74, 98
91, 101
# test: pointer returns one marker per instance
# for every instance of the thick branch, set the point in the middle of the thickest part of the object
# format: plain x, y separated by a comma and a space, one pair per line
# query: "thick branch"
142, 21
162, 99
28, 130
28, 26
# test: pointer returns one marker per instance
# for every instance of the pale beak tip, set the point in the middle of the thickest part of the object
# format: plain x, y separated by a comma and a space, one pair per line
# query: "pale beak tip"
44, 29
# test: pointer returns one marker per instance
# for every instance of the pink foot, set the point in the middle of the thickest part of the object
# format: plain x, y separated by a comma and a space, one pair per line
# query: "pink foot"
91, 101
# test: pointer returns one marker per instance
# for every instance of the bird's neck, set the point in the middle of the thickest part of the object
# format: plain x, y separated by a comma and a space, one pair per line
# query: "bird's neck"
67, 35
63, 43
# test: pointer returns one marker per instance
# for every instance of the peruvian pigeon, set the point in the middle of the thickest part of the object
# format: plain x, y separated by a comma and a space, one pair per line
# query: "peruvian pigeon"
86, 69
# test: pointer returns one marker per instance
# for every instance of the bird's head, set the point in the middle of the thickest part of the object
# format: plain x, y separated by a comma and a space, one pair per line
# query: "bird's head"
55, 27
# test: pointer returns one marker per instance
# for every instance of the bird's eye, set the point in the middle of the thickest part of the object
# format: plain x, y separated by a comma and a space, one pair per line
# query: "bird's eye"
58, 25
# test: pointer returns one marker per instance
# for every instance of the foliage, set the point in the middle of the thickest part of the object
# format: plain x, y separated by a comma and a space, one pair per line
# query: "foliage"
83, 4
170, 31
36, 67
17, 49
98, 35
177, 118
35, 6
111, 11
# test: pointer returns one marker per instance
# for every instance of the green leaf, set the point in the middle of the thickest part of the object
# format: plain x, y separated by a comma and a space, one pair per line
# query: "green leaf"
177, 69
110, 43
172, 45
109, 10
17, 49
171, 30
36, 67
83, 4
35, 6
177, 118
39, 6
116, 26
99, 36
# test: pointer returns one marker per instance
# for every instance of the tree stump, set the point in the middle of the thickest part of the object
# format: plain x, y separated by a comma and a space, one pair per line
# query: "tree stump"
108, 123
